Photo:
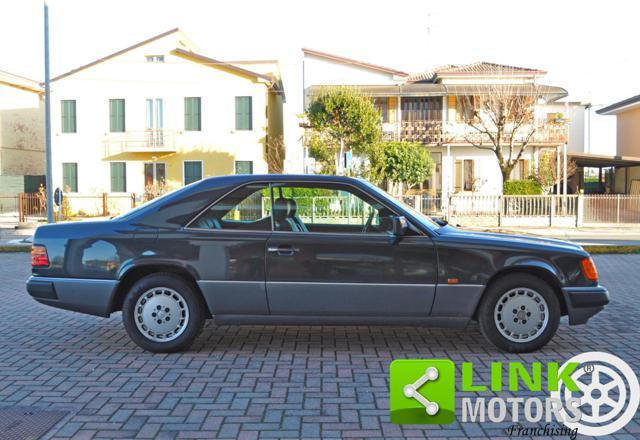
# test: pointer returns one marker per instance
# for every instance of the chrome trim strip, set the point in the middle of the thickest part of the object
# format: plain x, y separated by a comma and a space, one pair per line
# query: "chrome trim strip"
73, 280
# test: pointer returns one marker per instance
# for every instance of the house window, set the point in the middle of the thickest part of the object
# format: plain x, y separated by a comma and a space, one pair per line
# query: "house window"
468, 174
192, 171
244, 119
155, 58
116, 115
70, 177
192, 117
382, 105
422, 109
68, 115
244, 167
118, 177
154, 174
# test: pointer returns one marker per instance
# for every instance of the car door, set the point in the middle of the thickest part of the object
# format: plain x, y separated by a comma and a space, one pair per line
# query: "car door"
226, 247
332, 254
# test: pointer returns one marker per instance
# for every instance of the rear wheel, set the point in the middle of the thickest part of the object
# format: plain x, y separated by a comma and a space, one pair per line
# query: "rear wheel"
163, 313
519, 313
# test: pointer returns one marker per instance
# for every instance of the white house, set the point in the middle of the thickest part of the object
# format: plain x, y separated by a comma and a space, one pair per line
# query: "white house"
159, 113
426, 108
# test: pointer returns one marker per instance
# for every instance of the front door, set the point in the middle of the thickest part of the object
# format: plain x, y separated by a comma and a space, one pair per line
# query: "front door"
332, 254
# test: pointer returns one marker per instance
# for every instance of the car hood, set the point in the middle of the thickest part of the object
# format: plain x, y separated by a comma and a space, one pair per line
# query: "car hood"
510, 239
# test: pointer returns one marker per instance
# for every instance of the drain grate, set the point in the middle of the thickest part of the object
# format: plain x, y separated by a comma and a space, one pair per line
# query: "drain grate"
26, 423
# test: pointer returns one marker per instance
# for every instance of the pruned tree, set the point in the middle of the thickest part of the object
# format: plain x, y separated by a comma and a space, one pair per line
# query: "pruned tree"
342, 119
501, 117
275, 152
547, 172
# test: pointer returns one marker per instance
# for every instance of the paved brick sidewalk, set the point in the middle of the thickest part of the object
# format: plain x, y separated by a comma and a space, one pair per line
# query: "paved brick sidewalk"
258, 382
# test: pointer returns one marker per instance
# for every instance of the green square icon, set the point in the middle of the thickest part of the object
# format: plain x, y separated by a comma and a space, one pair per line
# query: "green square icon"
423, 391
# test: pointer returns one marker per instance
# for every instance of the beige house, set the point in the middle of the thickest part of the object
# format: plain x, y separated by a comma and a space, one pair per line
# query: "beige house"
21, 134
627, 159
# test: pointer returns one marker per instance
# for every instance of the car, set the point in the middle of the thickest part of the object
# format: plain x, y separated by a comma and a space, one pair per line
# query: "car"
307, 250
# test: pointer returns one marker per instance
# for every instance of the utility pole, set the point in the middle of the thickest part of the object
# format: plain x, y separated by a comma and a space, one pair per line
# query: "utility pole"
47, 118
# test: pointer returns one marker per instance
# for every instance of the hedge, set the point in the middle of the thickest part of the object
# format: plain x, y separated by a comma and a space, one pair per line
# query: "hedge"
521, 187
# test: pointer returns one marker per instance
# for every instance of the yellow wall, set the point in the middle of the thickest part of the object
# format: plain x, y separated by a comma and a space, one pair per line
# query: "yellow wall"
629, 133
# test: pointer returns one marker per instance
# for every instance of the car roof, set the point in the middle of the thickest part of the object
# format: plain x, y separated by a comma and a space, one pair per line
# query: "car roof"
245, 178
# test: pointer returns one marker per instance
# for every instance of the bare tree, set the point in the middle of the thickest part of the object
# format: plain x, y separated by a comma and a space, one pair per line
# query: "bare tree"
502, 119
275, 154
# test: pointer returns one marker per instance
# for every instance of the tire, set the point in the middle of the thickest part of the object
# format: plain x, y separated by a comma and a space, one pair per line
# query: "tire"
519, 313
163, 313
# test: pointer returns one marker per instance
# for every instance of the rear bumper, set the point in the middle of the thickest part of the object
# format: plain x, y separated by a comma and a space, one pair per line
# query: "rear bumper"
584, 302
82, 295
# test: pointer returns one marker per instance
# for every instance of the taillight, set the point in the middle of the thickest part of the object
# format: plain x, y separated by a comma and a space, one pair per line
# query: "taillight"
39, 257
589, 269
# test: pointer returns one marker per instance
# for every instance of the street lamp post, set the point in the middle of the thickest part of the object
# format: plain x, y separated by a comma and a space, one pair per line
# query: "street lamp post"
47, 118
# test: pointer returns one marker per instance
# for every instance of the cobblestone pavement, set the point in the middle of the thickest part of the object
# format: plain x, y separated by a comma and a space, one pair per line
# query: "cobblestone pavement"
258, 381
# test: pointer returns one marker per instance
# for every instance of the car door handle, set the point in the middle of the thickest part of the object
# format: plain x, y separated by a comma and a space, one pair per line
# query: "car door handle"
282, 250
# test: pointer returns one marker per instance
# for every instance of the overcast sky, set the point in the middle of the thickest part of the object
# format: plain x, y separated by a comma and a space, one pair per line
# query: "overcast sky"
588, 47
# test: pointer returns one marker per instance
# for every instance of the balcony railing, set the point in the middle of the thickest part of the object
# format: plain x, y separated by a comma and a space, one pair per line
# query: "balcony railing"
438, 133
160, 141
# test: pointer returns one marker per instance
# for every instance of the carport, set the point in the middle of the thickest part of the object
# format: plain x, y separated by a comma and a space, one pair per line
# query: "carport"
615, 174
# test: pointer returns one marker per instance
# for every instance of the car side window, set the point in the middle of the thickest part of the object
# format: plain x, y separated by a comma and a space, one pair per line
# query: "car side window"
328, 208
247, 208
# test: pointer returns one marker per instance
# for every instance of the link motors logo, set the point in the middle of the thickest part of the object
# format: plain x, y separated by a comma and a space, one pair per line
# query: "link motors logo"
592, 394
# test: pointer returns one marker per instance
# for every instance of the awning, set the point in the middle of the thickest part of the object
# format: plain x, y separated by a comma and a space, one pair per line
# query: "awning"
552, 93
599, 160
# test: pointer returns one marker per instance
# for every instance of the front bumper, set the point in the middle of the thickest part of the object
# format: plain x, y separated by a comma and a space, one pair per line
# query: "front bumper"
584, 302
84, 295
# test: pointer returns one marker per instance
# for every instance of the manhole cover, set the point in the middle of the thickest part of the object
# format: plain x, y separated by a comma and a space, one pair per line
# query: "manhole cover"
23, 423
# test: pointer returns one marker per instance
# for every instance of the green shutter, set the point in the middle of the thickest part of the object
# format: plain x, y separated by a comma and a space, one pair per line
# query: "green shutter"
192, 114
70, 177
68, 115
244, 167
116, 115
244, 119
118, 177
192, 171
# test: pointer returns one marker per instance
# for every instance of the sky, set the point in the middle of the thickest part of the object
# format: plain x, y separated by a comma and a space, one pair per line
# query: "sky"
587, 47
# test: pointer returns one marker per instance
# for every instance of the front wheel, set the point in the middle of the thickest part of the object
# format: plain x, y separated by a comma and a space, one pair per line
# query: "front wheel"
163, 313
519, 313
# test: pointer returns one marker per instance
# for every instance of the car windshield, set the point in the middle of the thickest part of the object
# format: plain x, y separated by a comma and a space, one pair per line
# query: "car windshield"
424, 219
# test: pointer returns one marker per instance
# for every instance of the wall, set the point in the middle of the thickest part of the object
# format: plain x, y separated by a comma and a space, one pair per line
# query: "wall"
628, 133
21, 132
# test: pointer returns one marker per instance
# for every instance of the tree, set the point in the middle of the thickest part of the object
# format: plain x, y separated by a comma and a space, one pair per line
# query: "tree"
275, 155
399, 165
502, 119
547, 173
342, 119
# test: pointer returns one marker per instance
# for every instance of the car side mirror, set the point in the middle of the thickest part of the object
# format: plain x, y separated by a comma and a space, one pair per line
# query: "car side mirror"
400, 226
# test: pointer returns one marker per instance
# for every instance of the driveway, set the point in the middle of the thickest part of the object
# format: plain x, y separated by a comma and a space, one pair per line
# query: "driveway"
259, 381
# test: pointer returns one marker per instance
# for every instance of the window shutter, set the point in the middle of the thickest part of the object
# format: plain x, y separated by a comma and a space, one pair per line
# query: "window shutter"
70, 177
192, 118
68, 116
116, 115
118, 177
244, 113
458, 176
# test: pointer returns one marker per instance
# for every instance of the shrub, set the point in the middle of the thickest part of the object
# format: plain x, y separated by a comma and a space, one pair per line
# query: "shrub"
522, 187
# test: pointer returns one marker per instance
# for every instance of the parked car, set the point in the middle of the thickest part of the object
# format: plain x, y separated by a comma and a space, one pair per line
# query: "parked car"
308, 250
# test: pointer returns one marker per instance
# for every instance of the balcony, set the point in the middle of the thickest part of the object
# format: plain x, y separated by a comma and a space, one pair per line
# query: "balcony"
147, 141
439, 133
